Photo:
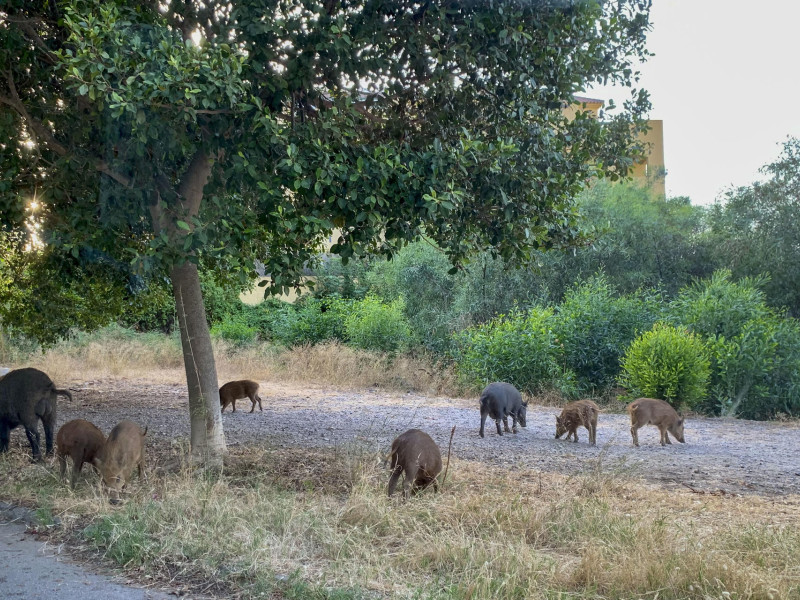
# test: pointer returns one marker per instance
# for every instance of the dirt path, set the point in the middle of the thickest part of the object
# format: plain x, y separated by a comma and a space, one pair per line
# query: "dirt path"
720, 454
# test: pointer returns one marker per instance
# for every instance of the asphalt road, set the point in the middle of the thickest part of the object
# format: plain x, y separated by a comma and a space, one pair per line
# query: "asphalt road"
34, 570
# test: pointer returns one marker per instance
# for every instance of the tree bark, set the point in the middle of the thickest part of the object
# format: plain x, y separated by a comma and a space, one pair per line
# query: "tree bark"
207, 437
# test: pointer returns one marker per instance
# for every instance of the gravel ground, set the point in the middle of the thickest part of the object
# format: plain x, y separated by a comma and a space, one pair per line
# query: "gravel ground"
721, 455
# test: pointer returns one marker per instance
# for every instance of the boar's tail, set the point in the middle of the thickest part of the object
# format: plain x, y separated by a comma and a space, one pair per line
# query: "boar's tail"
484, 399
63, 393
144, 433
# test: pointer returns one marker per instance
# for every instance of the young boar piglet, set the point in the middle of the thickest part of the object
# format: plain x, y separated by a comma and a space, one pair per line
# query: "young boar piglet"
417, 455
650, 411
26, 397
581, 413
80, 440
123, 450
499, 401
234, 390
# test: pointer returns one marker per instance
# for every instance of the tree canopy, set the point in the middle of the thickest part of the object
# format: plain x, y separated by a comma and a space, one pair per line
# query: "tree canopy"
163, 135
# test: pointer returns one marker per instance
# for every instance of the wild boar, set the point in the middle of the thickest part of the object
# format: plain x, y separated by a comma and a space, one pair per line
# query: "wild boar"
80, 440
581, 413
123, 450
650, 411
498, 401
27, 396
416, 454
234, 390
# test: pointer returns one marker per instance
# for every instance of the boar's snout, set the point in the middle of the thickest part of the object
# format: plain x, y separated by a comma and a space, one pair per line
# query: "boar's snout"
522, 413
560, 428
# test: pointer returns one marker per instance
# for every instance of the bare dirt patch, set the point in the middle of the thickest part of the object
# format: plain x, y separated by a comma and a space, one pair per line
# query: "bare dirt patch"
720, 456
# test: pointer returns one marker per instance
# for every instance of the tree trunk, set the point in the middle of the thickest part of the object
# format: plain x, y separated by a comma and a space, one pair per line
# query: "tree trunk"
207, 438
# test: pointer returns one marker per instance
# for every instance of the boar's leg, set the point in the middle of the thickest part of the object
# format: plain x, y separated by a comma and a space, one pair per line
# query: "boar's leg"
259, 403
505, 424
234, 404
484, 414
635, 435
411, 479
62, 464
33, 438
77, 467
513, 423
142, 473
48, 423
5, 435
253, 402
499, 430
575, 435
394, 479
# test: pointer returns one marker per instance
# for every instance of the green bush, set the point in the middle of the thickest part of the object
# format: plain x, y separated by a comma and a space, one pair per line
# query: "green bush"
234, 330
520, 348
755, 352
151, 309
375, 325
596, 326
311, 321
669, 363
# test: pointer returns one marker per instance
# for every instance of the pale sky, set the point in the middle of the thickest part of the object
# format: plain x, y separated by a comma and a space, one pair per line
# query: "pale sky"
725, 81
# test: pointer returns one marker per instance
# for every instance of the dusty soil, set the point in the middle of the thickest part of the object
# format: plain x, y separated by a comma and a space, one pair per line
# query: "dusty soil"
720, 456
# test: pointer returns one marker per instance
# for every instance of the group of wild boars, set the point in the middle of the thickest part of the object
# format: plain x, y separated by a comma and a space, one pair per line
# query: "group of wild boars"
581, 413
236, 390
27, 396
650, 411
499, 401
114, 457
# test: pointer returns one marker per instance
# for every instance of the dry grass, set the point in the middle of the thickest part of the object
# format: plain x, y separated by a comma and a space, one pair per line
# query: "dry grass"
115, 352
490, 534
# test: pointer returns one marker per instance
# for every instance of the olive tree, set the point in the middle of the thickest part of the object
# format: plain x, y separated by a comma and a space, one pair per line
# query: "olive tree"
168, 134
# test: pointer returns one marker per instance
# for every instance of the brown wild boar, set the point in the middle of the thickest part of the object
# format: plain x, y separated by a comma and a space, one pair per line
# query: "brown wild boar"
581, 413
650, 411
234, 390
80, 440
123, 450
416, 454
27, 396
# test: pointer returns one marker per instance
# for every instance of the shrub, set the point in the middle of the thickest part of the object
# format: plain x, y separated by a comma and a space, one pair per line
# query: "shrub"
755, 352
234, 330
596, 326
667, 362
375, 325
311, 321
519, 348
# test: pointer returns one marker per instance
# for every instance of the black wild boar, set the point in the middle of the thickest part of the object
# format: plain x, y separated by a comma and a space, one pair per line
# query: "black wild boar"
416, 454
27, 396
499, 401
234, 390
82, 441
576, 414
651, 411
123, 450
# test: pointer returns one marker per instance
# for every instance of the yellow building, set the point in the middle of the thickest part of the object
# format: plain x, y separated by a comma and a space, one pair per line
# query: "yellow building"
651, 169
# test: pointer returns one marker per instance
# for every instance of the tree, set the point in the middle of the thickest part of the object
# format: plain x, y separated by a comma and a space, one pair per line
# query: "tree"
756, 229
169, 134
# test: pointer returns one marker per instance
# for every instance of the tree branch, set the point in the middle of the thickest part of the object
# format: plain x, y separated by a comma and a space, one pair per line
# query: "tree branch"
40, 131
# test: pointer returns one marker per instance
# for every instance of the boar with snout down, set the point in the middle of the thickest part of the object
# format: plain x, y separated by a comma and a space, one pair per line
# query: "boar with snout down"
26, 397
650, 411
235, 390
581, 413
417, 455
81, 440
123, 450
499, 401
